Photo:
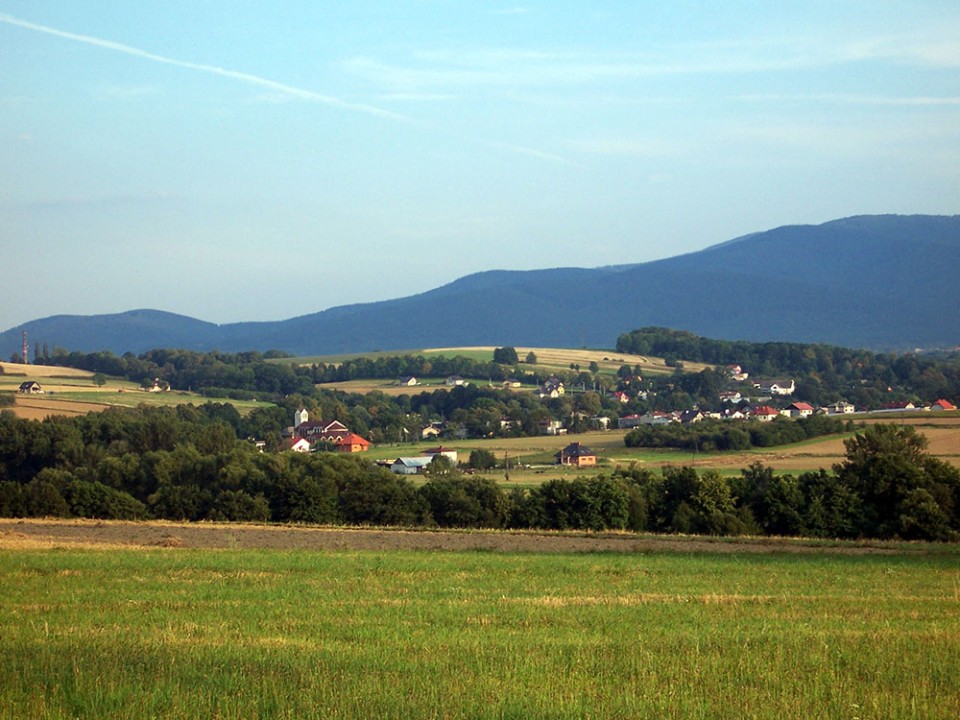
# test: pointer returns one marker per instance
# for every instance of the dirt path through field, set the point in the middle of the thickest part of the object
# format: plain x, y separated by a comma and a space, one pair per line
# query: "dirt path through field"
49, 534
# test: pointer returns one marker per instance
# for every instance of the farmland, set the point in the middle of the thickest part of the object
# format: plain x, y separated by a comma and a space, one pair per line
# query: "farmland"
349, 631
72, 392
942, 431
549, 359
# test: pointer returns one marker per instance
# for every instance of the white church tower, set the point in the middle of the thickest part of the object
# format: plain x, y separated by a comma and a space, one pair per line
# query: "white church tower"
300, 417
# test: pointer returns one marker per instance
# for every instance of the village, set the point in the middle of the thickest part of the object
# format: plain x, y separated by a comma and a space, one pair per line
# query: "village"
769, 400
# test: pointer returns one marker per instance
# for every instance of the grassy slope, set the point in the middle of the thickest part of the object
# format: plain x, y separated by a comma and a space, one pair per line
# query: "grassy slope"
186, 634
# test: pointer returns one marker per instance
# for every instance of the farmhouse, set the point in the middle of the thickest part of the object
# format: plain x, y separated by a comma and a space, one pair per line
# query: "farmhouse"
839, 408
577, 455
408, 381
551, 388
31, 387
297, 444
764, 413
798, 409
431, 430
454, 381
943, 405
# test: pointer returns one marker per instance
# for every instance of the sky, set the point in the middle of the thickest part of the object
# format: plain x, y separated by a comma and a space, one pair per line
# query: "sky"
238, 160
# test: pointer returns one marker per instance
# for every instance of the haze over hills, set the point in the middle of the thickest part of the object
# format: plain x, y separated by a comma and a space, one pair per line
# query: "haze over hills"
879, 282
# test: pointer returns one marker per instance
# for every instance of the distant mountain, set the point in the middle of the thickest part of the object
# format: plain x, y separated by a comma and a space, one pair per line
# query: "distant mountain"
880, 282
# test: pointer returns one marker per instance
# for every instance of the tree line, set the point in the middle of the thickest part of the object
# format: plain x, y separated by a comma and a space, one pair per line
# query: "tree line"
823, 373
188, 464
717, 435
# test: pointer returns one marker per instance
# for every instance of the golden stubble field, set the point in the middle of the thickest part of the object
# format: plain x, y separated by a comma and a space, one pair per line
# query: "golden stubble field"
561, 358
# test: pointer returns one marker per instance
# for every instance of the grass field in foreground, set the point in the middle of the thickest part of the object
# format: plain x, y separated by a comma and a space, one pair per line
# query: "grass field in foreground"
256, 634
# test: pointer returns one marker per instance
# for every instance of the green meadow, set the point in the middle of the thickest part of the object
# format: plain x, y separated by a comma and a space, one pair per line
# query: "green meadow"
178, 633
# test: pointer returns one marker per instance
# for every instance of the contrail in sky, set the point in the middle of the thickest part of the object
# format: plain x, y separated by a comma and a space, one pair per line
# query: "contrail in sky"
258, 81
209, 69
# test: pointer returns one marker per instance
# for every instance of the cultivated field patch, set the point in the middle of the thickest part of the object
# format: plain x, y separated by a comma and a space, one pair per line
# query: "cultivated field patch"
180, 631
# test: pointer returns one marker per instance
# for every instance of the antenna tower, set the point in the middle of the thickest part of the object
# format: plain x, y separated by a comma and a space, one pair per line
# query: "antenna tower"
25, 360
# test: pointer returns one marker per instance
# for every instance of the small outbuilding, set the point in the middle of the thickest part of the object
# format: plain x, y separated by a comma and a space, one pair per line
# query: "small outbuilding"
410, 465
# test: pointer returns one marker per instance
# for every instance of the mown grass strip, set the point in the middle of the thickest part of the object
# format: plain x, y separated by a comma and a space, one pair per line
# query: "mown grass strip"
245, 634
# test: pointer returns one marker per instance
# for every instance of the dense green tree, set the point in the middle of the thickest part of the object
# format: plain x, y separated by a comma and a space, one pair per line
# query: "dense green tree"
505, 356
482, 459
905, 491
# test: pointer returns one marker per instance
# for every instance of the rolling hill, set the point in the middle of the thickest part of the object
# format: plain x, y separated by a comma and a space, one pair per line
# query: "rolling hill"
879, 282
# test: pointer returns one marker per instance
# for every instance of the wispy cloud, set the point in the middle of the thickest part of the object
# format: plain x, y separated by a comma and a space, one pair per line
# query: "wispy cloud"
243, 77
277, 89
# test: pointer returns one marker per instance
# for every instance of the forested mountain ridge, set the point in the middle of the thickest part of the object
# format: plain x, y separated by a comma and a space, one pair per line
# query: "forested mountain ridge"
881, 282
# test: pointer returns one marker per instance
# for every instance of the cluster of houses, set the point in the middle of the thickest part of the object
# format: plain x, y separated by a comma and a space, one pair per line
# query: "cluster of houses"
305, 435
763, 413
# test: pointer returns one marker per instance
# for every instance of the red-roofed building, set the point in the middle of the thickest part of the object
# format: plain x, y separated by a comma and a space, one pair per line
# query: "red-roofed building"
798, 409
764, 413
351, 443
943, 405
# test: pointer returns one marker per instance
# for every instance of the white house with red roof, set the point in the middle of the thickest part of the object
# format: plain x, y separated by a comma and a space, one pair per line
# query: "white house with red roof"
798, 409
942, 404
764, 413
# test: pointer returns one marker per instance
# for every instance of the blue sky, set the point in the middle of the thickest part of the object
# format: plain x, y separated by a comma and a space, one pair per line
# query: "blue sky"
234, 161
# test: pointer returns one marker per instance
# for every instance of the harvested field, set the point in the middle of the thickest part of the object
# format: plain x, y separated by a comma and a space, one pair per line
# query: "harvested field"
23, 534
608, 360
35, 407
42, 371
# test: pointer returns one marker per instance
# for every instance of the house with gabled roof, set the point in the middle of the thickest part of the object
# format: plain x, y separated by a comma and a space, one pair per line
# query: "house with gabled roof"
688, 417
942, 404
576, 454
764, 413
351, 443
840, 407
30, 387
551, 388
296, 444
798, 409
410, 465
